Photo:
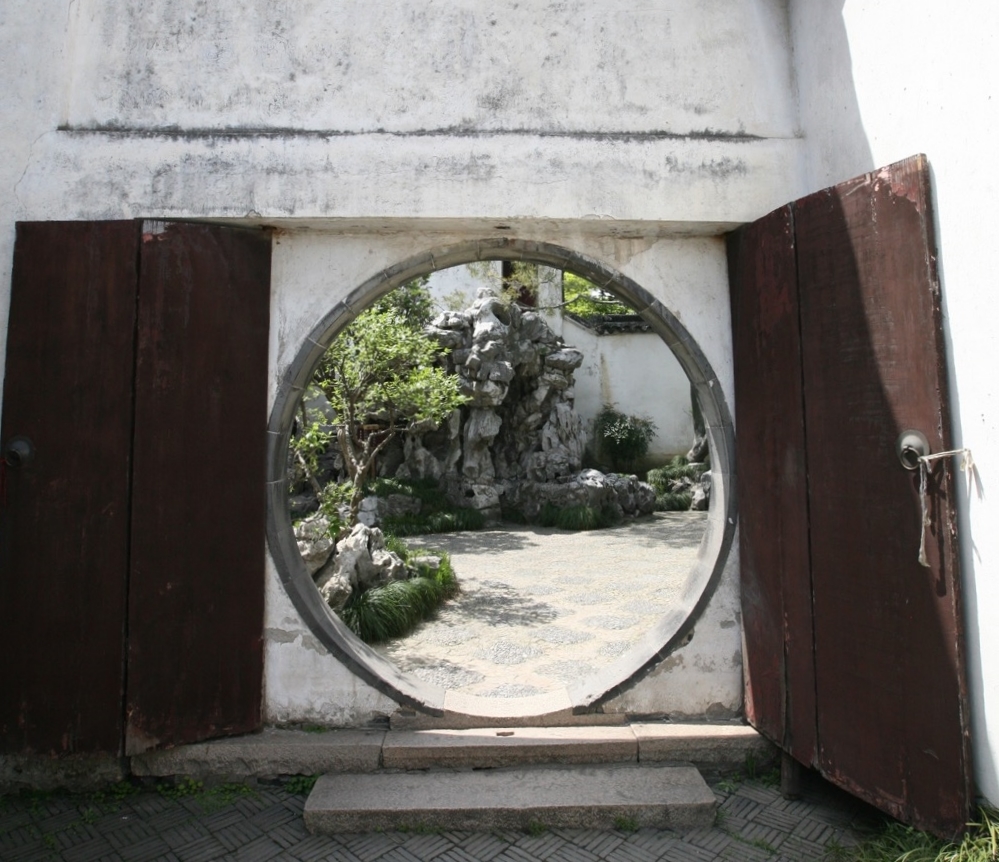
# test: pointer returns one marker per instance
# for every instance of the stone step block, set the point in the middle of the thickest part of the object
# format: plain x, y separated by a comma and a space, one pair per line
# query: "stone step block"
510, 746
715, 749
270, 753
574, 797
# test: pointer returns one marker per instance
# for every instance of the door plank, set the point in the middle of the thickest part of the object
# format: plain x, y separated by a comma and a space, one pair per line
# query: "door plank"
771, 482
195, 661
64, 520
892, 714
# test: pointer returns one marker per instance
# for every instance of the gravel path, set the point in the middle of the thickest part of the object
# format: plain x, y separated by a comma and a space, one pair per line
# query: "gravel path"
541, 607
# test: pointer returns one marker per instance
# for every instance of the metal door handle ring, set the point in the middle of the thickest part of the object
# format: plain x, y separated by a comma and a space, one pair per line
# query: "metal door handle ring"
19, 452
910, 447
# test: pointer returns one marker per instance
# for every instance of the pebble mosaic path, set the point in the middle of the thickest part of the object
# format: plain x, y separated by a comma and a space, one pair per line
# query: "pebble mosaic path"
540, 607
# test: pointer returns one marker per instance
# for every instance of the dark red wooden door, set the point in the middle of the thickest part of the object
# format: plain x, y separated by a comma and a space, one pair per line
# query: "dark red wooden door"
131, 547
195, 649
853, 648
64, 517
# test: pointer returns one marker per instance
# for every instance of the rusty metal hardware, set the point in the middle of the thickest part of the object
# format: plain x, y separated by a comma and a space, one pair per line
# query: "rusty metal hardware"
910, 447
19, 452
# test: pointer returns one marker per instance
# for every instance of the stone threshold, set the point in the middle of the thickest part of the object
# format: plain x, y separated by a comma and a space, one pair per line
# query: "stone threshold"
715, 749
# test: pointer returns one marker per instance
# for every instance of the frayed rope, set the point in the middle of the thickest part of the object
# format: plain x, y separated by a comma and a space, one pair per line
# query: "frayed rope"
925, 465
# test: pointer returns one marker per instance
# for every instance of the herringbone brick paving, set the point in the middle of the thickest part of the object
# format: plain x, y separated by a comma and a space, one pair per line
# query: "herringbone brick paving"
754, 824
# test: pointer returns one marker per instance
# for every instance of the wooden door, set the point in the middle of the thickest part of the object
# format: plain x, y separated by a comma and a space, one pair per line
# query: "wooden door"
196, 590
64, 517
854, 648
131, 547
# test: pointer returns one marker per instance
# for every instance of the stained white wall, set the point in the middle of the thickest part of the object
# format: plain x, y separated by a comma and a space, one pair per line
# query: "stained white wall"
635, 133
880, 81
637, 375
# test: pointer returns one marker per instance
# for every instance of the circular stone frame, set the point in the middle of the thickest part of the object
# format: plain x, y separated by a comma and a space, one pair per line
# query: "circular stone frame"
672, 631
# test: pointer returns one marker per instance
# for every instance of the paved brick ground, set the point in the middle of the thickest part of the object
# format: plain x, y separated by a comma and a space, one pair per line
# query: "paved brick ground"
754, 825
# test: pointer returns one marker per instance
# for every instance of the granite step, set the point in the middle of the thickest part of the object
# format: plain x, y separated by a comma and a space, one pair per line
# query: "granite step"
592, 797
716, 749
510, 746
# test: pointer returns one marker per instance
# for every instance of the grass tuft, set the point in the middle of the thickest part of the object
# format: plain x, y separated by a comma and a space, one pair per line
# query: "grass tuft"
427, 491
671, 483
624, 823
900, 843
300, 785
677, 469
394, 610
436, 515
673, 501
180, 788
577, 517
452, 521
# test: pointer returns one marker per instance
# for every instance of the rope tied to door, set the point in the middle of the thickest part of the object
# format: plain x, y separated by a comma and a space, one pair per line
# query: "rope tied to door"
925, 465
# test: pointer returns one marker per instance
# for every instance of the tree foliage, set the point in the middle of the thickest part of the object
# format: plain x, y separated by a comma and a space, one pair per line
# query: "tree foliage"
411, 301
585, 299
380, 376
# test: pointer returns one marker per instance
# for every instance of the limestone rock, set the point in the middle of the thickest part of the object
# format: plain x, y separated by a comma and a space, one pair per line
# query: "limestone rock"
314, 542
519, 423
374, 510
701, 494
363, 561
334, 585
625, 494
566, 359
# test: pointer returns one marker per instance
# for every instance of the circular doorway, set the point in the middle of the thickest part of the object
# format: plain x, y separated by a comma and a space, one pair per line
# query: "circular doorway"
585, 694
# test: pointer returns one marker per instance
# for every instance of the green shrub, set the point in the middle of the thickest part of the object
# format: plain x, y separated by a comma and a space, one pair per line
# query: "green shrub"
672, 483
577, 517
661, 478
427, 491
586, 300
391, 611
436, 514
673, 501
514, 515
548, 516
624, 440
452, 521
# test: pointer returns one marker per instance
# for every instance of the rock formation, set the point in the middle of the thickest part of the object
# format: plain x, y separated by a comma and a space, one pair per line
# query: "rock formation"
519, 425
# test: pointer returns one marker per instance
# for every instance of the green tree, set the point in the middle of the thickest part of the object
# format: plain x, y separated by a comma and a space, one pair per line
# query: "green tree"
585, 299
411, 301
381, 375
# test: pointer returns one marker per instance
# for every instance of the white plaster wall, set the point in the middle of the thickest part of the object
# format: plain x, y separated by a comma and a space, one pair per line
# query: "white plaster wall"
320, 110
407, 66
303, 682
638, 375
880, 81
625, 120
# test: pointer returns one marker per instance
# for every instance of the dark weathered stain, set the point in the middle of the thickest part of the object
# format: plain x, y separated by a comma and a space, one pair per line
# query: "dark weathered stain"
444, 132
